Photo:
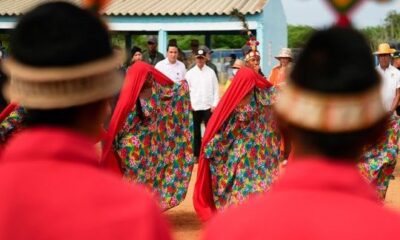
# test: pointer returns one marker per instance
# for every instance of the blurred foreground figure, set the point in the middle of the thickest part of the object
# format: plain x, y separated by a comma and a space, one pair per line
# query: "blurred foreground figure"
62, 71
330, 109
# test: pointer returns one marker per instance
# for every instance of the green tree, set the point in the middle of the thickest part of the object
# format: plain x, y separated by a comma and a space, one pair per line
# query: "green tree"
298, 35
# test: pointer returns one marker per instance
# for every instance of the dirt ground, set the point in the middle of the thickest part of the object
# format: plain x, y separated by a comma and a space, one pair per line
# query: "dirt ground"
186, 226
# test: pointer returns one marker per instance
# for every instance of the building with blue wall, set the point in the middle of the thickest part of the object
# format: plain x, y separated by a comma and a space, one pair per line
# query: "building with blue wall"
265, 18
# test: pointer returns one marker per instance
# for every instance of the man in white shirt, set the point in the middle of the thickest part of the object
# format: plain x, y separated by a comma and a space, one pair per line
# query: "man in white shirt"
204, 95
171, 66
390, 77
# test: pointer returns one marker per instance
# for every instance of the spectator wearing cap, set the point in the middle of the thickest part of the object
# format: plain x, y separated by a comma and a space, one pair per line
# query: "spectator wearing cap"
278, 73
204, 95
52, 183
152, 56
390, 77
191, 60
208, 60
171, 66
396, 60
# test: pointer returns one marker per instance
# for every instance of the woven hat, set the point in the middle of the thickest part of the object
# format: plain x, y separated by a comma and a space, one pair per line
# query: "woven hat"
384, 48
64, 63
285, 53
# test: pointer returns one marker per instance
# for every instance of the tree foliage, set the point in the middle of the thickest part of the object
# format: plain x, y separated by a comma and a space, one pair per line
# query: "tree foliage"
298, 35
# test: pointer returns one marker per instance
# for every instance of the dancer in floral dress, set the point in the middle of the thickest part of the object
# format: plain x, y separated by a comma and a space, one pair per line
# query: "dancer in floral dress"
378, 161
240, 153
149, 138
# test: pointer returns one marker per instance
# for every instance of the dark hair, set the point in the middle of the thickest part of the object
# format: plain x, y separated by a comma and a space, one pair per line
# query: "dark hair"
59, 34
54, 117
171, 45
337, 61
135, 49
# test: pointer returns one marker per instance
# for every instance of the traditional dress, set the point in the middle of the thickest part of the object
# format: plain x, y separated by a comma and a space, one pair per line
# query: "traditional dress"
378, 161
153, 143
240, 153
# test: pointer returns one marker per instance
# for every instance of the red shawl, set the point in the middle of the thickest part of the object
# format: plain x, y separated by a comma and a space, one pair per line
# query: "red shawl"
134, 80
245, 80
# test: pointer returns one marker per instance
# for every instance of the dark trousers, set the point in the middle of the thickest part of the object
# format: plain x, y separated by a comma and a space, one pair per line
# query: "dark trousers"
199, 117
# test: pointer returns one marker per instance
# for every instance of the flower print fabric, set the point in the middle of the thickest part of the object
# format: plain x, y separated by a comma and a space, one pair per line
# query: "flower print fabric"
155, 149
244, 155
12, 124
378, 161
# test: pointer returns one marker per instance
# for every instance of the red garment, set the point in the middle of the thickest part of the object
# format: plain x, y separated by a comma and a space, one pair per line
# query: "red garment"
245, 80
316, 198
134, 80
52, 187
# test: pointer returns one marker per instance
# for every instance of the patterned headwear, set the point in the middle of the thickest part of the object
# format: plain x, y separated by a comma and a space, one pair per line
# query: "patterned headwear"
252, 43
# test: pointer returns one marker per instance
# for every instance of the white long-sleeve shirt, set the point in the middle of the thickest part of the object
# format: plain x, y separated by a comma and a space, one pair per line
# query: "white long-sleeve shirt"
390, 83
203, 88
174, 71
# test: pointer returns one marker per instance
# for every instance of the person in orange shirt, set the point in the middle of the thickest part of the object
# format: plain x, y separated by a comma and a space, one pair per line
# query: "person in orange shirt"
278, 73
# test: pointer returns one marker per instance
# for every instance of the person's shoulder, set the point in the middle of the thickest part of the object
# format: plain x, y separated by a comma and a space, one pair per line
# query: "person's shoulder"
181, 64
192, 70
161, 63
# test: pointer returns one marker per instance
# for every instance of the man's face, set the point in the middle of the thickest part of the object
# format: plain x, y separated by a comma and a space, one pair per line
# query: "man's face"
172, 54
200, 61
384, 60
254, 63
284, 61
152, 46
137, 57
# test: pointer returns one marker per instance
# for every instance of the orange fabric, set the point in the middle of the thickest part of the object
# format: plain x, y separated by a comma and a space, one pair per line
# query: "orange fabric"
134, 80
277, 77
244, 81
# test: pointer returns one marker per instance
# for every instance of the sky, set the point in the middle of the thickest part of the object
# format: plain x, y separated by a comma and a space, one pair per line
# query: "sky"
316, 13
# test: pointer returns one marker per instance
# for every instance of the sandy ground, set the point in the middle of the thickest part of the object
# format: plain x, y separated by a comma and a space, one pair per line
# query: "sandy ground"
186, 226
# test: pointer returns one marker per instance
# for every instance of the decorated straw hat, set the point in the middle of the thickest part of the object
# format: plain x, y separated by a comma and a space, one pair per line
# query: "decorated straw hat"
285, 53
252, 43
384, 48
64, 63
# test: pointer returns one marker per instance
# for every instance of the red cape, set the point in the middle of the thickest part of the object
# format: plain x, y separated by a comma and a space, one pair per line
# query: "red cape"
245, 80
134, 80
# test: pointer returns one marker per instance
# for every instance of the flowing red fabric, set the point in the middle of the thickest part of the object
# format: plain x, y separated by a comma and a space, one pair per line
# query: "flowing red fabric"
6, 111
134, 80
245, 80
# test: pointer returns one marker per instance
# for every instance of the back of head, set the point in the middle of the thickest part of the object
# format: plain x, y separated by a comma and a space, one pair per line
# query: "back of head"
335, 64
61, 60
59, 34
